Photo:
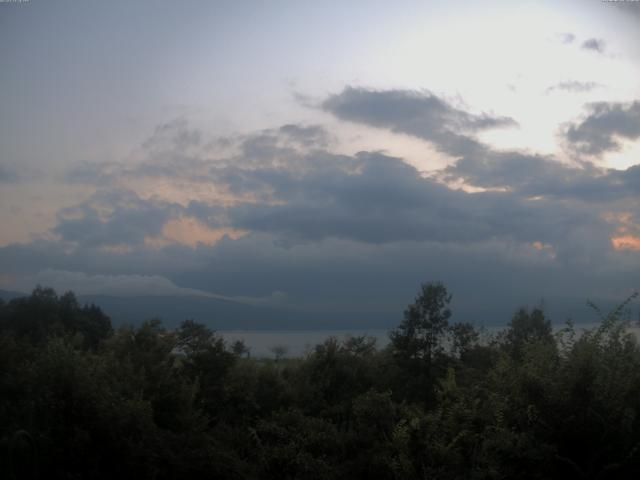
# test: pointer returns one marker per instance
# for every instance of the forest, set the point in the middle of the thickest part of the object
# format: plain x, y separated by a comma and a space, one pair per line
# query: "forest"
80, 399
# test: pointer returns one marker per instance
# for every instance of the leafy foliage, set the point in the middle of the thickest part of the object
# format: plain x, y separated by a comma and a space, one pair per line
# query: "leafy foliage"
80, 400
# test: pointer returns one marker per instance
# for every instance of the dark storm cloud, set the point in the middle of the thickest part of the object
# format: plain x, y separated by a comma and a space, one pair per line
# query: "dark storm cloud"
594, 44
574, 86
603, 127
420, 114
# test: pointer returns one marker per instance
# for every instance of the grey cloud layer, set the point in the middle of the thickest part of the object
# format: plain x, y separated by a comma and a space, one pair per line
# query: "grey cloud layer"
420, 114
335, 229
603, 127
595, 44
8, 175
386, 200
434, 120
15, 173
127, 220
427, 117
566, 37
310, 195
347, 280
574, 86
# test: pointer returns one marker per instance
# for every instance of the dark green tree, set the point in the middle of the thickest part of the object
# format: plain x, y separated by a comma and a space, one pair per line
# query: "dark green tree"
526, 328
205, 360
420, 335
463, 338
44, 314
418, 341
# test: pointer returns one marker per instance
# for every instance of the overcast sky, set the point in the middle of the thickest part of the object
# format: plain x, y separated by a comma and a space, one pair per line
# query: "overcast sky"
323, 155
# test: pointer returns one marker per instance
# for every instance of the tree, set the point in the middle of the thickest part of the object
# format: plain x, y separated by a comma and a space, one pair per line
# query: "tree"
360, 345
239, 348
425, 323
463, 338
527, 328
279, 351
44, 314
205, 359
417, 342
194, 338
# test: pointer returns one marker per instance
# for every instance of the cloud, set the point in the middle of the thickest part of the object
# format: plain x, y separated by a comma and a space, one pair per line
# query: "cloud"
373, 198
574, 86
176, 135
628, 8
310, 135
99, 174
18, 173
526, 174
566, 38
298, 192
604, 126
128, 285
201, 161
349, 282
479, 165
529, 175
520, 175
594, 44
114, 218
116, 285
8, 175
420, 114
349, 233
626, 242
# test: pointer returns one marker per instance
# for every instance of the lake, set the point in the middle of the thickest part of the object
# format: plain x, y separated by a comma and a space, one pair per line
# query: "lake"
299, 342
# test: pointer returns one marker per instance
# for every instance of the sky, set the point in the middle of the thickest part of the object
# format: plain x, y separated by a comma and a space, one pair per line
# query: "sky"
325, 156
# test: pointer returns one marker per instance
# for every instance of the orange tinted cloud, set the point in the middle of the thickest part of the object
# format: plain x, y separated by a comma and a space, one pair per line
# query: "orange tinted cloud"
623, 220
191, 232
544, 247
626, 233
626, 242
119, 248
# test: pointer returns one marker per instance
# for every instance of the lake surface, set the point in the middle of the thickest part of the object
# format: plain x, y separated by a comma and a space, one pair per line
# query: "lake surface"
299, 342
